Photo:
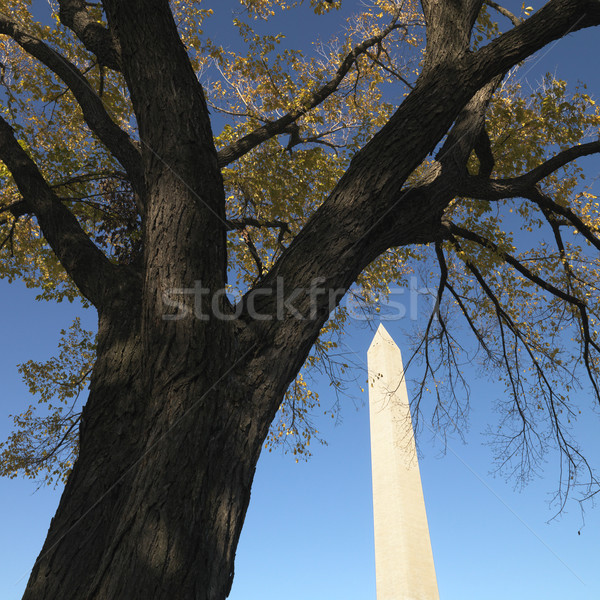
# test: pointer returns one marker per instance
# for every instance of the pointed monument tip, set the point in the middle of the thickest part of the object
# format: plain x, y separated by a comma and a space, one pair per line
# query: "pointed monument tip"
382, 335
381, 330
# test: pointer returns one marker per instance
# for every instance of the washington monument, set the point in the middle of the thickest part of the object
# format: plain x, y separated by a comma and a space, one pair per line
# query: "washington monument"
403, 557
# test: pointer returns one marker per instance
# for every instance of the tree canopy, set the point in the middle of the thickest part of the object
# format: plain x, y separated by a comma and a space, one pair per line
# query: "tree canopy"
134, 138
323, 104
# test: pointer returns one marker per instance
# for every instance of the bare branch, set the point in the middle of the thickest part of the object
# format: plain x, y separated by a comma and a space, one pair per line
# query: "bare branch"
434, 313
390, 70
581, 306
449, 413
504, 318
513, 262
478, 335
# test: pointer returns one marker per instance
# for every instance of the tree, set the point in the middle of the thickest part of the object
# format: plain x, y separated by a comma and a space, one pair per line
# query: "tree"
115, 189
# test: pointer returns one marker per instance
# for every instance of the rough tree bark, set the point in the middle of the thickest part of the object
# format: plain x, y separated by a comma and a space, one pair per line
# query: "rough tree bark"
179, 409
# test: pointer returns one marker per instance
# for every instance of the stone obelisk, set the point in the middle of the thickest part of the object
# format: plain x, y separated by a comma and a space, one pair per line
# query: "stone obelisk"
403, 557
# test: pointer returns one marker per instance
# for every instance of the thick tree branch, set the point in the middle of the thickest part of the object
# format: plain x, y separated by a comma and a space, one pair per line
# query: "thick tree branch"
545, 202
75, 15
265, 132
467, 131
91, 271
167, 98
515, 188
449, 26
483, 188
99, 121
554, 20
560, 160
525, 186
185, 197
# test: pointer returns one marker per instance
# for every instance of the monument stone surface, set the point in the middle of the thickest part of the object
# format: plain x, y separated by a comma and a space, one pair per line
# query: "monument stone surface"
403, 556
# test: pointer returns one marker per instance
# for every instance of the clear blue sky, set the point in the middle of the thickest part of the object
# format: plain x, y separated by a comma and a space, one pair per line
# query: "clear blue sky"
309, 531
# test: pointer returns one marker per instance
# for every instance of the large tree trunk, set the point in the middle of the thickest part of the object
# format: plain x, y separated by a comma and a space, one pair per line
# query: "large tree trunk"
156, 501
